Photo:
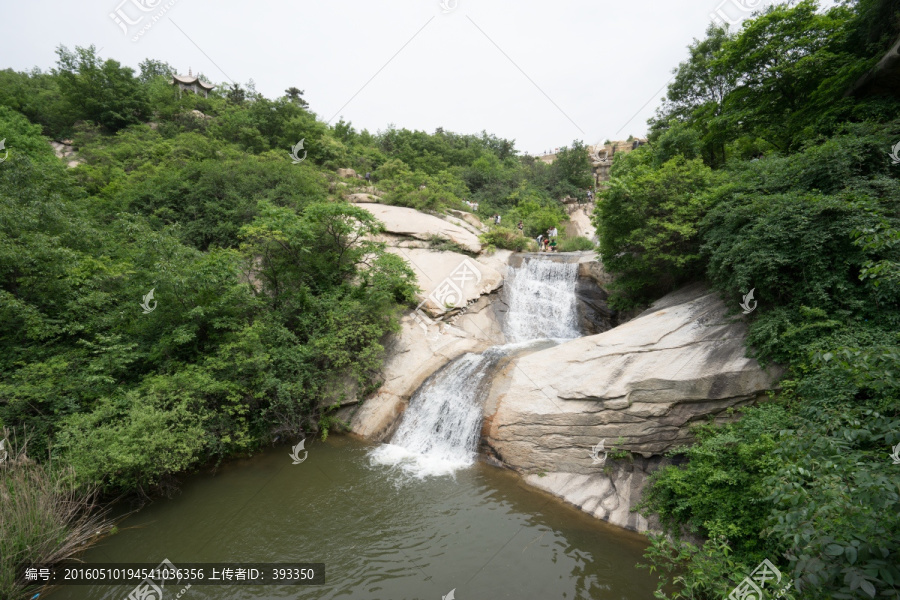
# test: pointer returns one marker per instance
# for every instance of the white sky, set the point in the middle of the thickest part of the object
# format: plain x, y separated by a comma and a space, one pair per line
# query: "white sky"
593, 64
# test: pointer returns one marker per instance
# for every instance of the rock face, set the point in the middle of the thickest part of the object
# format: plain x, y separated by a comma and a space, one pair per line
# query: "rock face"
594, 315
66, 151
346, 173
580, 222
608, 494
638, 387
399, 220
452, 281
470, 219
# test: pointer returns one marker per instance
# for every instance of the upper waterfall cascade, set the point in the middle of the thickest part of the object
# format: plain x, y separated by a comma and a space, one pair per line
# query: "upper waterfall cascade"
541, 298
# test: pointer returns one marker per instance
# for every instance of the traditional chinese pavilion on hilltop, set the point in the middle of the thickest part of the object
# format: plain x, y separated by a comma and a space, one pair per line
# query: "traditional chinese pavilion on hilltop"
191, 84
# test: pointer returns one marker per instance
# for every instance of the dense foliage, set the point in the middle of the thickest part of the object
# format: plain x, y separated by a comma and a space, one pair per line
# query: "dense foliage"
269, 304
762, 173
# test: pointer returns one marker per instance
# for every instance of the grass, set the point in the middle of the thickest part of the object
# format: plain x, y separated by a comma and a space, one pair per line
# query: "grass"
503, 237
442, 244
574, 244
45, 518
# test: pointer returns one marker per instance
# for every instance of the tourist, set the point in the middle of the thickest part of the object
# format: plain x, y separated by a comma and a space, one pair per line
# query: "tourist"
497, 219
368, 177
521, 228
554, 232
540, 241
553, 244
546, 244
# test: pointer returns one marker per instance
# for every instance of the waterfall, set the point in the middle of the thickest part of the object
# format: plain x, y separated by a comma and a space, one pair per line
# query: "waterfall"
541, 299
439, 431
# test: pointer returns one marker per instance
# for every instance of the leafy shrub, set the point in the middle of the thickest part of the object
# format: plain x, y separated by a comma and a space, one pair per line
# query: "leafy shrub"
507, 239
575, 244
647, 222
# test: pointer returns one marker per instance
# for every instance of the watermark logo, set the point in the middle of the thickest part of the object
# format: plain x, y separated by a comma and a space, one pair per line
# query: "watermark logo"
123, 20
448, 6
449, 292
295, 452
146, 303
4, 453
3, 147
596, 459
751, 588
152, 587
740, 9
295, 150
450, 596
128, 19
746, 303
895, 456
895, 153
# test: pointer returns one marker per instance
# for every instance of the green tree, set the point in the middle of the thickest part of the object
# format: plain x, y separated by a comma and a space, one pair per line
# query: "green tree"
104, 92
696, 96
571, 171
647, 222
295, 95
151, 69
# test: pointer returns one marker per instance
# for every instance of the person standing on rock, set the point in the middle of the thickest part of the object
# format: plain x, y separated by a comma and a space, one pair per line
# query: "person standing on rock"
368, 177
540, 241
521, 228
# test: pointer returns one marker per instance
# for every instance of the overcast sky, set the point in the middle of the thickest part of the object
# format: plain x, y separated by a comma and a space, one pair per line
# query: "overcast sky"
542, 73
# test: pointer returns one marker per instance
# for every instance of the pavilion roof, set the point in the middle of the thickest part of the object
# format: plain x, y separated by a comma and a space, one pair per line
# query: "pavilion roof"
190, 80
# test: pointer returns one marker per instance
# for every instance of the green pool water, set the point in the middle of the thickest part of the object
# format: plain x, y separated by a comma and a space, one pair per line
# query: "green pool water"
382, 536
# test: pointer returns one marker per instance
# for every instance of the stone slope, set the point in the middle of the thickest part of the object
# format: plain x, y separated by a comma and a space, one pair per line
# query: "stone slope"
638, 387
402, 221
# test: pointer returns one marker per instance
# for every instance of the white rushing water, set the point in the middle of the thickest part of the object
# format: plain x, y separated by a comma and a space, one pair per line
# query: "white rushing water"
440, 430
541, 299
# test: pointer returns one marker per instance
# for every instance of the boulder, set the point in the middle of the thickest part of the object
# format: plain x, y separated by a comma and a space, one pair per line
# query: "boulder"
638, 387
346, 173
399, 220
